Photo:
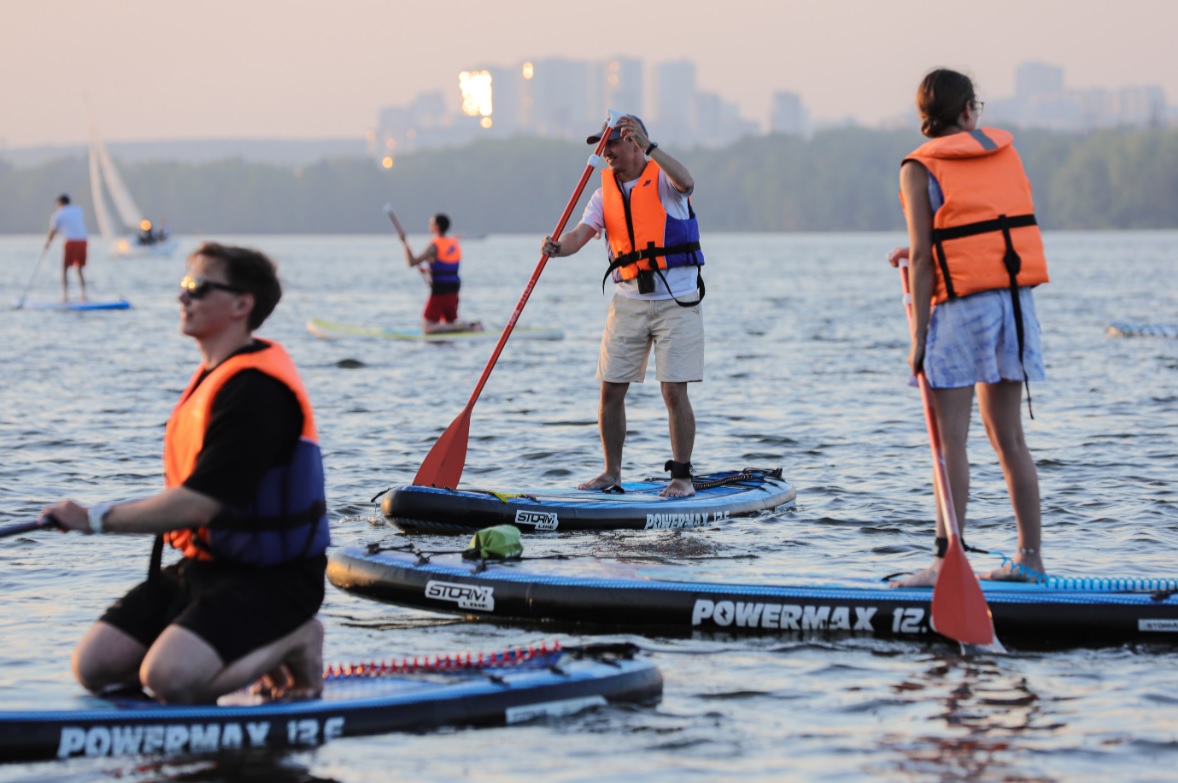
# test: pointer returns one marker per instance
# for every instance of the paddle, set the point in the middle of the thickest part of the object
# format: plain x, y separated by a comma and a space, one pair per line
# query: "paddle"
27, 527
388, 210
32, 277
959, 610
444, 463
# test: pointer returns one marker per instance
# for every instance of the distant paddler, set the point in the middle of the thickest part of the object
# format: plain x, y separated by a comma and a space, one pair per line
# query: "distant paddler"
245, 506
444, 256
69, 221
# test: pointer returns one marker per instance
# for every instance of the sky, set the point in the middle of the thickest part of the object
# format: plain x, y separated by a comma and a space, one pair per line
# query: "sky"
308, 69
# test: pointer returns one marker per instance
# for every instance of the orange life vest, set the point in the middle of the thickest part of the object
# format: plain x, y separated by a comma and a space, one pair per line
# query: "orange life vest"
642, 236
985, 235
443, 269
288, 506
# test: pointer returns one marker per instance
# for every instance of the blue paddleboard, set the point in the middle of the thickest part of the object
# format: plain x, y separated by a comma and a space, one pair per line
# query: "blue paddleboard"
369, 699
668, 599
634, 505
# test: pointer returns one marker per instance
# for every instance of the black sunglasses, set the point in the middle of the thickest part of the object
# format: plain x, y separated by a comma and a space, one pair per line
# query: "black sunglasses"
198, 287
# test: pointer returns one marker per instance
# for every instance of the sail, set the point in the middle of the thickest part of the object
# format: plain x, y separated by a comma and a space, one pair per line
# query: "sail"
105, 227
129, 212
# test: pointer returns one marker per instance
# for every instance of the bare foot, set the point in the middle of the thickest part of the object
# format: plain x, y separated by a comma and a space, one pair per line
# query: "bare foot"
477, 326
300, 675
678, 488
925, 577
604, 481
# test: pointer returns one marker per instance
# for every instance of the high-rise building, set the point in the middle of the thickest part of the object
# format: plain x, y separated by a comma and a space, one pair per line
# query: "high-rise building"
673, 105
789, 115
1035, 78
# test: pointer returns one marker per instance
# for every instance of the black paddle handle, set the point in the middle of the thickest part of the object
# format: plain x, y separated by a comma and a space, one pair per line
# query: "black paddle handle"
27, 527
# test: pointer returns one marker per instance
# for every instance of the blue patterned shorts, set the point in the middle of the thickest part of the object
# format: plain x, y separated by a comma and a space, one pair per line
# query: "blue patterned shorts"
973, 340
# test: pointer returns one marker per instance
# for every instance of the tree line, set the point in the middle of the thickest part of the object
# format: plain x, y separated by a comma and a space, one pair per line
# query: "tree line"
841, 179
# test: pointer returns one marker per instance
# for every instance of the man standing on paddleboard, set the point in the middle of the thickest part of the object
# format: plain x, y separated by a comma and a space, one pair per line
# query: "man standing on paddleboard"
69, 221
644, 208
443, 255
245, 506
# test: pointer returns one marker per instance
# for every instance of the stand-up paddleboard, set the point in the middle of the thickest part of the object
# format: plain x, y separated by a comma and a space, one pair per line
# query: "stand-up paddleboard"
1123, 329
115, 304
665, 599
357, 700
635, 505
331, 330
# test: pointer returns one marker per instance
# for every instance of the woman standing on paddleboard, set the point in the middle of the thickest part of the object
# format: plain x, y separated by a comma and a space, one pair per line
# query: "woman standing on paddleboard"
975, 254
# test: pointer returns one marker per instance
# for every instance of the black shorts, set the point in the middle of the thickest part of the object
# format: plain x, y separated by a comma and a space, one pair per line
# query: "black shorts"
235, 608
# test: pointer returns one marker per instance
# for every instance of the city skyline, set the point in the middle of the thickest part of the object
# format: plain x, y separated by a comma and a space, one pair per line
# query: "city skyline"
296, 71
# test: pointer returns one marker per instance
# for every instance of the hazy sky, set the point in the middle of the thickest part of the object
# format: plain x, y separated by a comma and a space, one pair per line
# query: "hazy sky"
158, 69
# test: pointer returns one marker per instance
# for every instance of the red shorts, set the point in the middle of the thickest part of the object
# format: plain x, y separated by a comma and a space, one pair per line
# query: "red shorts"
75, 253
441, 308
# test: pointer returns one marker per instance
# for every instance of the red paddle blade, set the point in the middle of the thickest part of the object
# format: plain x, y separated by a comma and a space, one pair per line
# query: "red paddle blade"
444, 463
960, 611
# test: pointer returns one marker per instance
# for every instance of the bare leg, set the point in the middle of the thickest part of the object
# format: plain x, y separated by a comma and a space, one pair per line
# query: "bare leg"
952, 409
1001, 407
182, 668
107, 658
681, 419
611, 421
65, 283
82, 283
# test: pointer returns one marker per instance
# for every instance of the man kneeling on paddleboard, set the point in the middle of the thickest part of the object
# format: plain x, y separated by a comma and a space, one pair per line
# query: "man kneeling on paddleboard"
245, 505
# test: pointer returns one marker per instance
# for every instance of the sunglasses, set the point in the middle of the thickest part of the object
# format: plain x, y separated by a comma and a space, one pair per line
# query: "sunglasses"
198, 288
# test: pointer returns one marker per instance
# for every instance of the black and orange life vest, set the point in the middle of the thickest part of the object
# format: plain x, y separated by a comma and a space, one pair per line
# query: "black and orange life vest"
642, 236
287, 519
985, 235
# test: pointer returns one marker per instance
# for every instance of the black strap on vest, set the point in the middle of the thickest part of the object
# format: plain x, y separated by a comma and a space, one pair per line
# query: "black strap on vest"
1010, 260
157, 557
312, 517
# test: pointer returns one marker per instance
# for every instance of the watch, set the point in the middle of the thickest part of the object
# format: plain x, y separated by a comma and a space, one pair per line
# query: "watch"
96, 514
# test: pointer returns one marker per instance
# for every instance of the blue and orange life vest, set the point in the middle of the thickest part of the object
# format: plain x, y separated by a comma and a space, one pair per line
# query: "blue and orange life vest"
287, 519
985, 236
642, 236
443, 269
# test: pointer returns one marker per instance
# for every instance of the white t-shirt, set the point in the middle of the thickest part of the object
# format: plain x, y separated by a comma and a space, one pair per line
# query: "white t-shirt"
681, 279
69, 221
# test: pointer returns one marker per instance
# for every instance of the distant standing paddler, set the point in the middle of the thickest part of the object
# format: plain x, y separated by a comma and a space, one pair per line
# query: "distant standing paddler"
69, 221
444, 255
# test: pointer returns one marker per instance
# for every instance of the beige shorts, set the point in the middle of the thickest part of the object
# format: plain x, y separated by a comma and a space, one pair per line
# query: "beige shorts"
634, 325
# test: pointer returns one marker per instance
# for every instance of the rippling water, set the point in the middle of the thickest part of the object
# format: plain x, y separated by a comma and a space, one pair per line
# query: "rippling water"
805, 369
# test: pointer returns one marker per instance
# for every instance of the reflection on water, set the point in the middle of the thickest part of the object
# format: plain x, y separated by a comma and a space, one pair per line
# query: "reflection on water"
805, 369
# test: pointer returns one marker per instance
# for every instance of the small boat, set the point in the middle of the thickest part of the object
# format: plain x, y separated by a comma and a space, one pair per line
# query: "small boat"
624, 596
634, 505
133, 235
333, 330
374, 698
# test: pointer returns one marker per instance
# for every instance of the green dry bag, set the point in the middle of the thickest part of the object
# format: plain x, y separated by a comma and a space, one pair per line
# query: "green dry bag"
495, 543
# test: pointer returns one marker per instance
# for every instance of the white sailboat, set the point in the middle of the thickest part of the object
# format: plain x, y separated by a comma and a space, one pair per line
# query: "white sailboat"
132, 234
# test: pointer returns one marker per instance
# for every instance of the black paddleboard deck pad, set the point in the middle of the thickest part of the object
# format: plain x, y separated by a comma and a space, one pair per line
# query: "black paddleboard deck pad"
638, 506
369, 699
670, 599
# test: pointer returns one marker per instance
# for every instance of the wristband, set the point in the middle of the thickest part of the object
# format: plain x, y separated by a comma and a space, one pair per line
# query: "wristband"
96, 514
653, 146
